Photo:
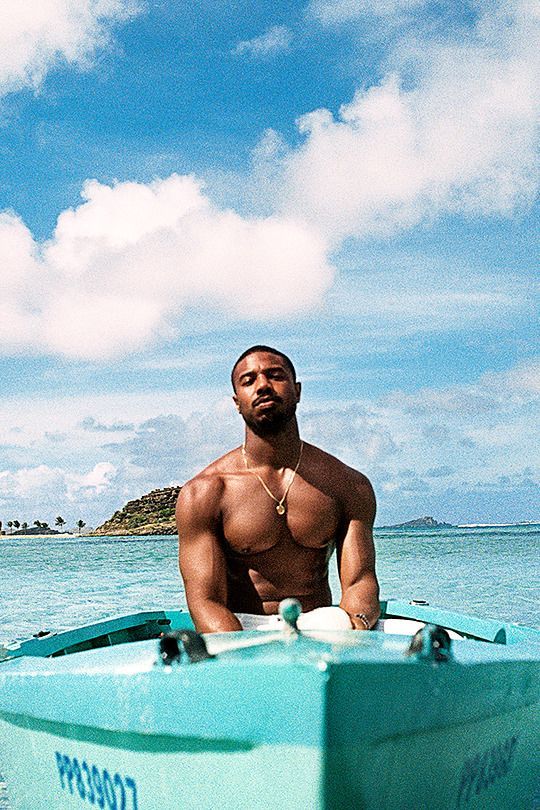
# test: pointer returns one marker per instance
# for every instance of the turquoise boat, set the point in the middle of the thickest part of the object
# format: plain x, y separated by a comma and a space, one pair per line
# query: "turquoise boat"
432, 710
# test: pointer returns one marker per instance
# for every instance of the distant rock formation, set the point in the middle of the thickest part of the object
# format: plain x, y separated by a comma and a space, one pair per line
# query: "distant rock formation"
421, 523
151, 514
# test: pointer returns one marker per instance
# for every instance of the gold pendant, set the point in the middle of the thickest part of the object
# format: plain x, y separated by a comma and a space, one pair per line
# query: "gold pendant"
280, 509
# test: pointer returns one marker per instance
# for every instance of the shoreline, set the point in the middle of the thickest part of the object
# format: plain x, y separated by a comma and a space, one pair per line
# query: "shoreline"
27, 536
496, 525
173, 534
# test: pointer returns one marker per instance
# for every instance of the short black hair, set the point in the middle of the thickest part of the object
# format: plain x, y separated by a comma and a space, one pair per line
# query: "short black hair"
269, 350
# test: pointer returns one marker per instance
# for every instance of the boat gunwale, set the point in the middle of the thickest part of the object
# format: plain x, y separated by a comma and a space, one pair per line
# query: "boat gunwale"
147, 625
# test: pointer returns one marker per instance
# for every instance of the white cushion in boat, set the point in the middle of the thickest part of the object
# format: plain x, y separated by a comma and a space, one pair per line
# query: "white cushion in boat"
406, 627
325, 618
333, 618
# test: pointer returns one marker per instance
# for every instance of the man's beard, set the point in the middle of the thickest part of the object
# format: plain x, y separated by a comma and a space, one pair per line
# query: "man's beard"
270, 424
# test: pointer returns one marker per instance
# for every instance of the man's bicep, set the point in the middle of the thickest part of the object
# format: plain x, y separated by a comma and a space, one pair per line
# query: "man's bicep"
356, 554
201, 558
203, 568
356, 551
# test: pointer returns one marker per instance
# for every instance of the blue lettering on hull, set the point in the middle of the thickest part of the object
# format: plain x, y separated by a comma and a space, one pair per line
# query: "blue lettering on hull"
482, 770
96, 785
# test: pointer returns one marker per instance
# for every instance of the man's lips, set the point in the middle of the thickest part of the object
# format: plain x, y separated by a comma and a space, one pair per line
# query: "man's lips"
261, 401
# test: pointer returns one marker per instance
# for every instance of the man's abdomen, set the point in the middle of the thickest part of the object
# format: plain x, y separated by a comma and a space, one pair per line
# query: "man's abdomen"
258, 582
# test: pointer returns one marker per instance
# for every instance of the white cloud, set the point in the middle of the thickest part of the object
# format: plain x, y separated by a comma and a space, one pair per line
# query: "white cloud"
89, 423
502, 392
462, 139
24, 419
42, 481
30, 481
44, 491
340, 11
121, 268
124, 267
21, 287
418, 448
418, 294
523, 381
276, 39
93, 483
37, 36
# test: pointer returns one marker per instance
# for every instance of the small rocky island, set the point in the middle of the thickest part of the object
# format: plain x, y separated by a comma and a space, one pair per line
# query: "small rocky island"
40, 531
151, 514
421, 523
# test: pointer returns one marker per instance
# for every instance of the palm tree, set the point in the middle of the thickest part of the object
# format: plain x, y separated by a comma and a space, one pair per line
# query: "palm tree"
10, 525
37, 523
60, 522
17, 524
80, 525
24, 525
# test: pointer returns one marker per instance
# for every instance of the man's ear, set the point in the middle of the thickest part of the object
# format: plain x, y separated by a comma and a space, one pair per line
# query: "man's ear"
298, 387
236, 403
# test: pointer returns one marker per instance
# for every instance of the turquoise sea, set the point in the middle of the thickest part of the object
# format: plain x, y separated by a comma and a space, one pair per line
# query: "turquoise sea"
57, 583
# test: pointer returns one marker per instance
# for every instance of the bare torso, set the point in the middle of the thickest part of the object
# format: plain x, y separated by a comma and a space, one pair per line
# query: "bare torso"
269, 556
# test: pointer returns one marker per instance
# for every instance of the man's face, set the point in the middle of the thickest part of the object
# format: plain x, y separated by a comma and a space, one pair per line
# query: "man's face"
266, 394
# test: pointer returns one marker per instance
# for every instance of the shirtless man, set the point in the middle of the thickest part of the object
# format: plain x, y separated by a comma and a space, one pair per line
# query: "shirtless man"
260, 523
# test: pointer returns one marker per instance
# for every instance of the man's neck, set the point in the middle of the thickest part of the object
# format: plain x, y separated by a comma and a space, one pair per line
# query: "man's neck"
280, 450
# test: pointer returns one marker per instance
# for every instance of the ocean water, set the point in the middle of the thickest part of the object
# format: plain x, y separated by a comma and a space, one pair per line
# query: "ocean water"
59, 583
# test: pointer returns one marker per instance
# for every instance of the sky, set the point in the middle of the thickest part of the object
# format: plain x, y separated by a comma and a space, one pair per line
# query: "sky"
354, 183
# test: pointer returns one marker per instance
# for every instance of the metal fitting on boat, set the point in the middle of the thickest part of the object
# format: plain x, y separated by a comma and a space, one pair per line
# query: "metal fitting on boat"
192, 643
43, 634
290, 610
431, 643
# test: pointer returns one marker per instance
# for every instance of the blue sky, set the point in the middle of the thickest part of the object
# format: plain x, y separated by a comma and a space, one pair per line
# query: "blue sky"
356, 185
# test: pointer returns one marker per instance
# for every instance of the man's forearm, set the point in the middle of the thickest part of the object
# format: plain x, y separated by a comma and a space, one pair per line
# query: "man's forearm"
213, 617
361, 601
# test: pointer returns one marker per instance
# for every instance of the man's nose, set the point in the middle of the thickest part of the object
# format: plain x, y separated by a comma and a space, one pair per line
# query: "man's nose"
263, 383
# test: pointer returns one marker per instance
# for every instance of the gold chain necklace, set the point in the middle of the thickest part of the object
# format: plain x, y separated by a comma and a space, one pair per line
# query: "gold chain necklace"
280, 504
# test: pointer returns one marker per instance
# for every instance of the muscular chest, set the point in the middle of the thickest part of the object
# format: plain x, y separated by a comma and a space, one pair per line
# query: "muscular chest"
251, 523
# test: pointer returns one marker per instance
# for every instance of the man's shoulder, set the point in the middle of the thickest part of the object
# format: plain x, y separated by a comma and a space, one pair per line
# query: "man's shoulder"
351, 488
210, 482
336, 468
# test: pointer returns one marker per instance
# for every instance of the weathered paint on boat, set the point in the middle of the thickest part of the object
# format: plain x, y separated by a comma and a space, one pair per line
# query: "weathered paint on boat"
325, 720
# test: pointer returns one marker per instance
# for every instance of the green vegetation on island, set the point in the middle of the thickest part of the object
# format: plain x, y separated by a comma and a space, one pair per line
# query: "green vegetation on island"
151, 514
15, 527
39, 527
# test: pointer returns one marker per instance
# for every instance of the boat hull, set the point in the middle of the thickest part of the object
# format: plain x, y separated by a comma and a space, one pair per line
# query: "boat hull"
48, 770
467, 755
343, 720
441, 769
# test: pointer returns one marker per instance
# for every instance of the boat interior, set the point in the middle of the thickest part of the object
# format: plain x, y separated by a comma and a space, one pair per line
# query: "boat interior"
397, 618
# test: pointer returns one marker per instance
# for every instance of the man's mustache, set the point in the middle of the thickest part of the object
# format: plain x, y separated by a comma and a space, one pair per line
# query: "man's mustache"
266, 398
